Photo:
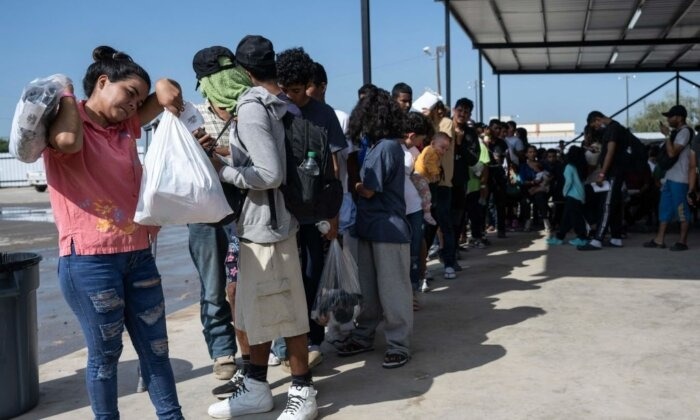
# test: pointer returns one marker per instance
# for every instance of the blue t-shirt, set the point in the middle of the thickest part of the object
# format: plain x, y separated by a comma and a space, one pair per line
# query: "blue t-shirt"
382, 218
322, 115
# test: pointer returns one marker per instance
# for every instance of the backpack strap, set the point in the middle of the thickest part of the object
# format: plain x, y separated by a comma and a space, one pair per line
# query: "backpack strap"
211, 148
271, 192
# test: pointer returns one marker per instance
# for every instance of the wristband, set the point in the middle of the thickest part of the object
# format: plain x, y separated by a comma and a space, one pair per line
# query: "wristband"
67, 94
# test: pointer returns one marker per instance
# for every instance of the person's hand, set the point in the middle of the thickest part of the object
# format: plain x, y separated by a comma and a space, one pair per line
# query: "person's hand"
664, 129
222, 151
169, 96
216, 162
206, 141
692, 198
600, 178
333, 231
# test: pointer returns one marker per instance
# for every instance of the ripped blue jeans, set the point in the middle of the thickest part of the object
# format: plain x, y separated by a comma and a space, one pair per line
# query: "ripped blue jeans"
107, 293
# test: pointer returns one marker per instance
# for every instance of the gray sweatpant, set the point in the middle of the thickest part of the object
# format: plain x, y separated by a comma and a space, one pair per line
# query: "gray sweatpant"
386, 294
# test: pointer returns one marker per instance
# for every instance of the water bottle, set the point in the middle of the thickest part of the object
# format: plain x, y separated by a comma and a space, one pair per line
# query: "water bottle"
309, 165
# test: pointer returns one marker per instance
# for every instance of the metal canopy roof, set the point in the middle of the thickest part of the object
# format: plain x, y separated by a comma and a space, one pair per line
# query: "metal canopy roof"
583, 36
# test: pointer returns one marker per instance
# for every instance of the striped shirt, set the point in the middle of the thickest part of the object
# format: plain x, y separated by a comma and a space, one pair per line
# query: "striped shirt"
213, 123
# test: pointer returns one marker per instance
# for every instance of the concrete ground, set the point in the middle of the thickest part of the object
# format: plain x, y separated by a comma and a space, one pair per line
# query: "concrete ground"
524, 332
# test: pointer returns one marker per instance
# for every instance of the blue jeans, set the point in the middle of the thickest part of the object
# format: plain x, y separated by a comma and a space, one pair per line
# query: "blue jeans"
208, 247
107, 293
415, 220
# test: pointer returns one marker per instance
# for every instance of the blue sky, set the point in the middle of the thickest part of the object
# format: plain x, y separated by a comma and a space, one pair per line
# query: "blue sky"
41, 37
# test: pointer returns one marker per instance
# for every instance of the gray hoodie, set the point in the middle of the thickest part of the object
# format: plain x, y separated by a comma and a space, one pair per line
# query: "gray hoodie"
262, 167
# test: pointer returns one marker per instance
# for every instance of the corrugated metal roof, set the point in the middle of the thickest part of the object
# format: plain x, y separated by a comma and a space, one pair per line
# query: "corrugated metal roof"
562, 36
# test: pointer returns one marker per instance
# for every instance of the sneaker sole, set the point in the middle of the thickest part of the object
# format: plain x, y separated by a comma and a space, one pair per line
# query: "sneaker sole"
355, 352
315, 362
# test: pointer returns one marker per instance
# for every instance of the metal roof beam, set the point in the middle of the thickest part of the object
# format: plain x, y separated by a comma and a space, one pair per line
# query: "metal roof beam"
544, 24
506, 34
680, 55
581, 44
680, 14
586, 22
626, 69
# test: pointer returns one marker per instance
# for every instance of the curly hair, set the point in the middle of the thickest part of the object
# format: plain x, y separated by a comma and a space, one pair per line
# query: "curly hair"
377, 116
294, 66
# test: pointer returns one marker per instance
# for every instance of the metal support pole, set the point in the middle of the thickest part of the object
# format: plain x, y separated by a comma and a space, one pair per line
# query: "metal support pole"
498, 88
366, 47
448, 78
437, 68
481, 92
627, 101
678, 88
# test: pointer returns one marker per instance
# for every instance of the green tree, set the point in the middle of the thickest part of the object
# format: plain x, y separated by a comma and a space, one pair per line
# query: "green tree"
4, 145
648, 119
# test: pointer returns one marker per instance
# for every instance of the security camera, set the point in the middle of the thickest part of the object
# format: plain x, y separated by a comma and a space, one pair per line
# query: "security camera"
426, 50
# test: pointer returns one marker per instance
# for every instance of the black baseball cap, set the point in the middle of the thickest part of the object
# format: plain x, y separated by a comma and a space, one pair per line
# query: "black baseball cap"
206, 61
676, 111
255, 51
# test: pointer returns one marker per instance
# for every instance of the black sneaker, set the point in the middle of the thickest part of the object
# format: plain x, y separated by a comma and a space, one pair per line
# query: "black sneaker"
226, 390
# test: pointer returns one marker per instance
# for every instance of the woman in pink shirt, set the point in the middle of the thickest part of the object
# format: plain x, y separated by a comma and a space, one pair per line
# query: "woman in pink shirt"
106, 270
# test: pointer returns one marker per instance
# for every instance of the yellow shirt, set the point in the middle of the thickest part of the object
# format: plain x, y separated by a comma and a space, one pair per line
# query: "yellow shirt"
428, 164
448, 159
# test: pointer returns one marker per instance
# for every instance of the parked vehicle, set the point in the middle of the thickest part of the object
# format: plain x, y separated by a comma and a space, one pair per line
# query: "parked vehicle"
37, 179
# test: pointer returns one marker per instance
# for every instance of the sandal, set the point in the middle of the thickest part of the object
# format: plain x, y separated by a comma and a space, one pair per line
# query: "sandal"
352, 348
652, 244
678, 246
394, 360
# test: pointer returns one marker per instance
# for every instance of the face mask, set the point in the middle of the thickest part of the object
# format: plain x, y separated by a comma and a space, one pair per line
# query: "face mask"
602, 126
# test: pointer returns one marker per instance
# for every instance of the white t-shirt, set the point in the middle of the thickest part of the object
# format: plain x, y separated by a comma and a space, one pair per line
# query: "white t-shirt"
410, 193
679, 171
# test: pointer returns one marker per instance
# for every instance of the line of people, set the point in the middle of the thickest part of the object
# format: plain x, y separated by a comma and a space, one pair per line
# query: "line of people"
412, 179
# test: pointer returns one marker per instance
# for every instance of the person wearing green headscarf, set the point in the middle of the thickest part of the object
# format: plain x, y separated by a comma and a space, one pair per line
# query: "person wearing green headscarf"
221, 83
221, 91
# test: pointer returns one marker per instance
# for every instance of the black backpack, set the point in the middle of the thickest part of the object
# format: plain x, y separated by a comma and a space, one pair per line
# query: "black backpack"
309, 198
663, 161
473, 146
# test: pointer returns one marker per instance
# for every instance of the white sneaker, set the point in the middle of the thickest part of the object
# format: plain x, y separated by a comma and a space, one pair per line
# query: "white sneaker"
301, 404
251, 397
425, 288
273, 360
449, 273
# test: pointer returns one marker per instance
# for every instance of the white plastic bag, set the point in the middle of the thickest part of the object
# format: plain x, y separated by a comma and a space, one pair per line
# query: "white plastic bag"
338, 298
35, 110
179, 183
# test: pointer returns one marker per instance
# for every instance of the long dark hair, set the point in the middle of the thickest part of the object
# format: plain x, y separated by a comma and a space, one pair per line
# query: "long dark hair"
116, 65
576, 157
377, 116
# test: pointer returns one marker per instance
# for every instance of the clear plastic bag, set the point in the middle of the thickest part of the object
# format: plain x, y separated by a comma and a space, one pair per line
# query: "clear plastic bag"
34, 112
339, 297
179, 183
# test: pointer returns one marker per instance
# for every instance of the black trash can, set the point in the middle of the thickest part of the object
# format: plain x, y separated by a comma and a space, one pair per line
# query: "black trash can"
19, 357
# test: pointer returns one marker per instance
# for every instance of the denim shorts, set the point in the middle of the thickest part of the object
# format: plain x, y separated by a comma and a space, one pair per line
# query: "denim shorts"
673, 204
